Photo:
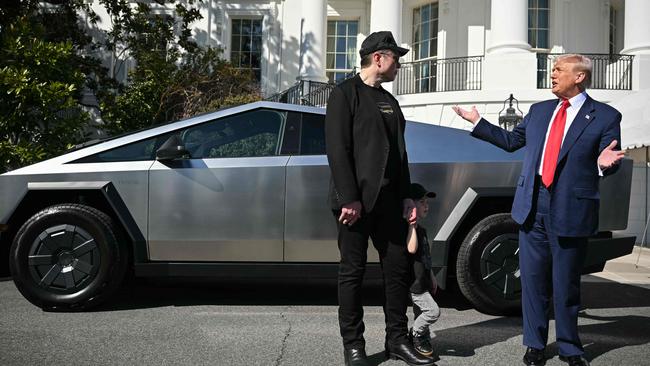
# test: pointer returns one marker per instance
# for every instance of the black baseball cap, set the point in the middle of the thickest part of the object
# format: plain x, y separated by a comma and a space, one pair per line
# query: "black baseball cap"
417, 191
381, 41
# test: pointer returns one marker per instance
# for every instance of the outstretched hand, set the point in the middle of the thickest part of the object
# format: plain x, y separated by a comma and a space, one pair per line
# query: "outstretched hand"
608, 157
469, 116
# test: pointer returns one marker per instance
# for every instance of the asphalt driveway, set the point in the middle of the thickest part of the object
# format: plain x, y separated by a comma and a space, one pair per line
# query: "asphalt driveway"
189, 323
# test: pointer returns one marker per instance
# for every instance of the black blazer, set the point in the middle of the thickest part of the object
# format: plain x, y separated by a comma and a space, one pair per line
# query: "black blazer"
357, 146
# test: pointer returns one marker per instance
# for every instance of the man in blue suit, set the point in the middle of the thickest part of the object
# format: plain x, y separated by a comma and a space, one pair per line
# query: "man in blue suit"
570, 142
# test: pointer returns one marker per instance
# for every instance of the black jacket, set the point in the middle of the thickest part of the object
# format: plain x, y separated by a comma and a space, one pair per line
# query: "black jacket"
357, 146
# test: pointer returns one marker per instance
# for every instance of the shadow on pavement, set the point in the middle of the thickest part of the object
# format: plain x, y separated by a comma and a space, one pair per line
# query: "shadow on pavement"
599, 293
149, 293
614, 332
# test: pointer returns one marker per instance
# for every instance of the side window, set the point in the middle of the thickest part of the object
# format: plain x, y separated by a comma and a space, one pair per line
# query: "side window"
137, 151
312, 135
254, 133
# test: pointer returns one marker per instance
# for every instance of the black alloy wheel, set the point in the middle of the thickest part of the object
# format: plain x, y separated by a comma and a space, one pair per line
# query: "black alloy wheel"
487, 266
68, 257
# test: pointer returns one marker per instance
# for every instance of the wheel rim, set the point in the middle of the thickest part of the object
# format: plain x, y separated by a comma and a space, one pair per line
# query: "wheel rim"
63, 259
500, 266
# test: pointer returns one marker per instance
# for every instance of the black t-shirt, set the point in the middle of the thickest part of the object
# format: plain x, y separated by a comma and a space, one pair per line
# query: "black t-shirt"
388, 109
422, 264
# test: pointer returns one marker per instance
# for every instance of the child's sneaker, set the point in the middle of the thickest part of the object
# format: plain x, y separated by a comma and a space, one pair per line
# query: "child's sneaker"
421, 343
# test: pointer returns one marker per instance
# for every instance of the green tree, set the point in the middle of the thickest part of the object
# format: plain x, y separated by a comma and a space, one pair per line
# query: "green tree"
40, 90
173, 77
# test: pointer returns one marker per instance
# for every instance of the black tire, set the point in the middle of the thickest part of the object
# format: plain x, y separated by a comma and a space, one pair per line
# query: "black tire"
487, 267
68, 257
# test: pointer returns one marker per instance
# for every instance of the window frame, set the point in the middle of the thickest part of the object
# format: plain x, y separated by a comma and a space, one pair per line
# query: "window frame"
256, 71
535, 9
334, 71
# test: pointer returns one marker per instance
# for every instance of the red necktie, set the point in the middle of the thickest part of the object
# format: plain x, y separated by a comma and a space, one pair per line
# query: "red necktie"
553, 144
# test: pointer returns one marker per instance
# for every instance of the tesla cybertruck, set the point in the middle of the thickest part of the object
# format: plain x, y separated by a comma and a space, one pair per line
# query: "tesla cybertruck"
242, 193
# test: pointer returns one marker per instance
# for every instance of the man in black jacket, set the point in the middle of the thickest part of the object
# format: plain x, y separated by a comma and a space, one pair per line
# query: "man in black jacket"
364, 133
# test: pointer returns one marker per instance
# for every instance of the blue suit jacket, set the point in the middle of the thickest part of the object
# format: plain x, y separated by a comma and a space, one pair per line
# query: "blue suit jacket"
574, 197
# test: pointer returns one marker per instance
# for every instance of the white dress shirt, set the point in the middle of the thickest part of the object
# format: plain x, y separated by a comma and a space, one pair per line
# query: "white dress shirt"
571, 112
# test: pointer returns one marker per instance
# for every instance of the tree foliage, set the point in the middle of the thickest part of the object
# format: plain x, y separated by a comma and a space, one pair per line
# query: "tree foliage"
52, 53
40, 90
173, 77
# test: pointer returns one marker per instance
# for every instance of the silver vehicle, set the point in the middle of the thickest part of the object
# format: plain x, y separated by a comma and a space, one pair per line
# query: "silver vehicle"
243, 192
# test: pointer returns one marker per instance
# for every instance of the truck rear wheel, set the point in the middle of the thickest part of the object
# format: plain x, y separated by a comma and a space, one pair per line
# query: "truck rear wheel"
487, 266
68, 257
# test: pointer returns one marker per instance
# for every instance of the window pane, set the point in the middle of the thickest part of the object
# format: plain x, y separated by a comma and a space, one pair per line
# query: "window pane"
330, 61
312, 139
542, 4
136, 151
340, 61
331, 42
351, 60
542, 19
532, 21
246, 43
246, 26
257, 44
340, 44
235, 59
245, 59
532, 39
236, 26
340, 28
252, 133
542, 40
257, 27
255, 60
331, 28
236, 43
426, 12
424, 50
352, 29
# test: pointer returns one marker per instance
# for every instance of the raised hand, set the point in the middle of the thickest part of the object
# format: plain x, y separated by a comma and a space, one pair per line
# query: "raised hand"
410, 213
608, 157
470, 116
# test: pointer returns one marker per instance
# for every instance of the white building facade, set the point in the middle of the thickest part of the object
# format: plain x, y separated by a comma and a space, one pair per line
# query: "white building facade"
466, 52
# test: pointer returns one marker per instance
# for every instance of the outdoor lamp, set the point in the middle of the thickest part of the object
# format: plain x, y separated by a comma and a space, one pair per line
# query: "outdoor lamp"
511, 118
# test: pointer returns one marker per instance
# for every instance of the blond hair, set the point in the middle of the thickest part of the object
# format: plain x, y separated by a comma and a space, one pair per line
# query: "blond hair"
580, 63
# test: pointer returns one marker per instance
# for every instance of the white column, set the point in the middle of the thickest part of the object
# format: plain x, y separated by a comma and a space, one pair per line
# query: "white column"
509, 26
509, 66
386, 15
637, 41
314, 36
637, 27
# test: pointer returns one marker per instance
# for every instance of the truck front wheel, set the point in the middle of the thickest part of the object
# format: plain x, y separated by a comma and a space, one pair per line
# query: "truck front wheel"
487, 266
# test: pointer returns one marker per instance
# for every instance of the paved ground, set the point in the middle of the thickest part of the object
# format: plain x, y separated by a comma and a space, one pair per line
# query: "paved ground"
290, 324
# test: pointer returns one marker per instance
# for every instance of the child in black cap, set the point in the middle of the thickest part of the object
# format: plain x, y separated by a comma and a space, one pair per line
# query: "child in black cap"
425, 308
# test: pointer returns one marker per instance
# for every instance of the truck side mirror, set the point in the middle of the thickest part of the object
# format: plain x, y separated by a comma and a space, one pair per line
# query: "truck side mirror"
172, 149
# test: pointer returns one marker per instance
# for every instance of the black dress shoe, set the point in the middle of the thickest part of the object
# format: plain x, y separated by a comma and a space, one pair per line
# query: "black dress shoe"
355, 357
408, 354
574, 360
534, 357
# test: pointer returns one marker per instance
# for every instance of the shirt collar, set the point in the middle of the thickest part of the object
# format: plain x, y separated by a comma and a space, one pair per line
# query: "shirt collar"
578, 100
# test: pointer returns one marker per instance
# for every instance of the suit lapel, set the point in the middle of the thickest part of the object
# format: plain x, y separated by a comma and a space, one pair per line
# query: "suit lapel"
541, 127
580, 122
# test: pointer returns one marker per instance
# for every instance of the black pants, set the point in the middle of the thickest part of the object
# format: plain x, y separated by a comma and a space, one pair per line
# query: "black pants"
387, 229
